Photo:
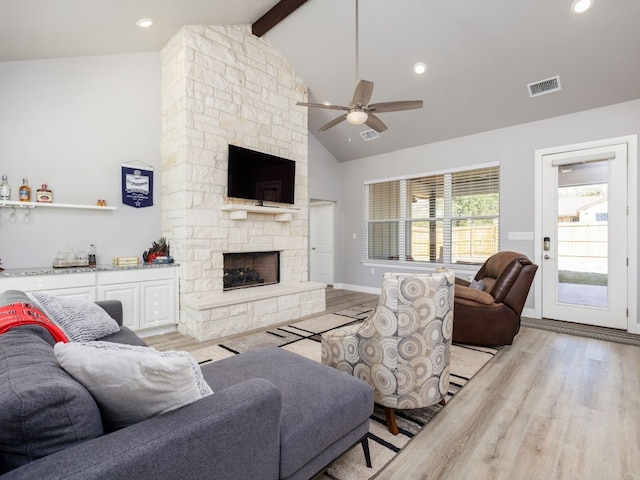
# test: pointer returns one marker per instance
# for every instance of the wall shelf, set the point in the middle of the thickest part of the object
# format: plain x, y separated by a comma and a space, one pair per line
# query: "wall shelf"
16, 204
240, 212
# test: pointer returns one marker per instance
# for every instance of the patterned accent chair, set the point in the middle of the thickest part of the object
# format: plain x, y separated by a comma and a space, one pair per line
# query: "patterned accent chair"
403, 348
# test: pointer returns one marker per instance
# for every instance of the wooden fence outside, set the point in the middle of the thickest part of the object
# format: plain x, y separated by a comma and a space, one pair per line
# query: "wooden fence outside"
468, 244
581, 247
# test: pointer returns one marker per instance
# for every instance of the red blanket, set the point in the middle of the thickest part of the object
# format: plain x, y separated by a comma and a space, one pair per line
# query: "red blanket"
17, 314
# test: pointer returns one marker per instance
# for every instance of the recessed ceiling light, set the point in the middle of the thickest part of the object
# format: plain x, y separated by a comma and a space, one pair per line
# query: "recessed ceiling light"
420, 68
581, 6
144, 22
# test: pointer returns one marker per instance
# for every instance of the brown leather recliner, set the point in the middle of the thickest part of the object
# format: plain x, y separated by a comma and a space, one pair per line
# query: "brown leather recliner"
487, 310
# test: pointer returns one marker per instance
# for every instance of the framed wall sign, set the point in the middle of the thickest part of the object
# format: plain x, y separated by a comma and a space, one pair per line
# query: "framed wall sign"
137, 185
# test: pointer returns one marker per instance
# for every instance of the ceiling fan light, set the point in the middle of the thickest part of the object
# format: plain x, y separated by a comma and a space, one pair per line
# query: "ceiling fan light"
357, 117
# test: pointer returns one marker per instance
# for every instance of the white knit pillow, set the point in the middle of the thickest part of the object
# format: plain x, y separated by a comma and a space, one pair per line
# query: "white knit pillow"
132, 383
81, 320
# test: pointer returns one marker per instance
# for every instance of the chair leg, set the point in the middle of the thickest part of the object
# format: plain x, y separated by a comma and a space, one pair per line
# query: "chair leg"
443, 402
390, 417
365, 449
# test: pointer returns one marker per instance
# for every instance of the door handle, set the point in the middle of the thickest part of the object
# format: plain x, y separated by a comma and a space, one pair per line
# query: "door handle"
313, 248
547, 257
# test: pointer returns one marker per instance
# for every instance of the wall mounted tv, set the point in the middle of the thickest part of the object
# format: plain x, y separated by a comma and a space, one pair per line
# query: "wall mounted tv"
260, 176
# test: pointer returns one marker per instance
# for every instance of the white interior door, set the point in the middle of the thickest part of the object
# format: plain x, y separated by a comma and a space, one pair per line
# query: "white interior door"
321, 242
584, 230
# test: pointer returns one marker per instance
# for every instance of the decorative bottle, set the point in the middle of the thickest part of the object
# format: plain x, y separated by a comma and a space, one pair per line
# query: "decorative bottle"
44, 194
92, 255
5, 189
24, 193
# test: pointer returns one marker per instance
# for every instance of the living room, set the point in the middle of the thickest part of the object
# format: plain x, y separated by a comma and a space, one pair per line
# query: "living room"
72, 122
65, 126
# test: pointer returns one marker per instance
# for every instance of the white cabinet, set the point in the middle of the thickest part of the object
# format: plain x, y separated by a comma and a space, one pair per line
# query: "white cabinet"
148, 296
72, 285
156, 309
79, 293
129, 296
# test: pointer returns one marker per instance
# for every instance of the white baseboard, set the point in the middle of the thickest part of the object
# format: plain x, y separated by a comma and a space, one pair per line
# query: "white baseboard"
156, 331
357, 288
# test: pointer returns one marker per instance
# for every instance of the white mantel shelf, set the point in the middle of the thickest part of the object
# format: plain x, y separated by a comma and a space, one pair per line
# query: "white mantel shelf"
14, 204
240, 212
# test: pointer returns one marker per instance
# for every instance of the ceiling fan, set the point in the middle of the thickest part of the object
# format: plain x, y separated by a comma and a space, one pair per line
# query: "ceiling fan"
359, 110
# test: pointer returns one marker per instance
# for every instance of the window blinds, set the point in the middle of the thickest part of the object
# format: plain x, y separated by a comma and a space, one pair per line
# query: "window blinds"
383, 208
449, 217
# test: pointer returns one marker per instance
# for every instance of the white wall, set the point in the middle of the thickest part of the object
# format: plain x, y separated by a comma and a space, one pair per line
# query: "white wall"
324, 172
70, 123
324, 185
512, 147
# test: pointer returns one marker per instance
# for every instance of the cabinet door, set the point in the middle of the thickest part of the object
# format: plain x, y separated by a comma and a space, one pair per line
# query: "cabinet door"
129, 295
77, 293
73, 285
158, 304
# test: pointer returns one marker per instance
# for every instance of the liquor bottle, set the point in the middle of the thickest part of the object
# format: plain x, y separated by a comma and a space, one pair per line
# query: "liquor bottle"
44, 195
92, 254
24, 193
5, 189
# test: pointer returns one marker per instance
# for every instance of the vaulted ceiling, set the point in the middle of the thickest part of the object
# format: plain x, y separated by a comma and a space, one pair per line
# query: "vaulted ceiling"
480, 56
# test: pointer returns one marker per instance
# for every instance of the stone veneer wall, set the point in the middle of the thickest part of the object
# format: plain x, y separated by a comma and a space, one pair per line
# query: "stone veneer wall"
222, 85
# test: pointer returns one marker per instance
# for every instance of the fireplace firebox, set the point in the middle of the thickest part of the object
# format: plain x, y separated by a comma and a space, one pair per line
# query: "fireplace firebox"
250, 269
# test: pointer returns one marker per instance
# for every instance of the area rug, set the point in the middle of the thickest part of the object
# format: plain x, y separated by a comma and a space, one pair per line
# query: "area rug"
304, 338
589, 331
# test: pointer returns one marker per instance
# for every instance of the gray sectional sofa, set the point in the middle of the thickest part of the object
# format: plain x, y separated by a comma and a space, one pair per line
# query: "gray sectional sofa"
273, 415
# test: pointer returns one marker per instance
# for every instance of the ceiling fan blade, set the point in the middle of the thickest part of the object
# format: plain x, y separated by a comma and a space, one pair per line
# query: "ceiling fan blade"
395, 106
363, 92
322, 105
375, 123
333, 122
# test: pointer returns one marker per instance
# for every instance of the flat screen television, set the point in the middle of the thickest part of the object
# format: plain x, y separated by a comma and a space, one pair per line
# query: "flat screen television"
259, 176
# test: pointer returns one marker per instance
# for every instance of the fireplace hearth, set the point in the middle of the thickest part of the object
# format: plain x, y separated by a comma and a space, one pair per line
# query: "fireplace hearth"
250, 269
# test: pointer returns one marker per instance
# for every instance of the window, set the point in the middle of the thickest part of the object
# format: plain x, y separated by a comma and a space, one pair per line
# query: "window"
447, 218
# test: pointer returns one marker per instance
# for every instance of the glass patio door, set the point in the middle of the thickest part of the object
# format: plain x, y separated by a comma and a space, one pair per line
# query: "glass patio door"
584, 221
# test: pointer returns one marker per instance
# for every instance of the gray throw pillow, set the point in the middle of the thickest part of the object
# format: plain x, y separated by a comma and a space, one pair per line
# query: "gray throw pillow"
42, 408
132, 383
477, 284
81, 320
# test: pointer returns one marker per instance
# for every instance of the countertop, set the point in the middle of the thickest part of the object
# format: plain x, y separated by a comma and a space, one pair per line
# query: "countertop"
107, 267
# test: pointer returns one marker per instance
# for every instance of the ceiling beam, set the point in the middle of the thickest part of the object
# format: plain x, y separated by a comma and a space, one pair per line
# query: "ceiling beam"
279, 12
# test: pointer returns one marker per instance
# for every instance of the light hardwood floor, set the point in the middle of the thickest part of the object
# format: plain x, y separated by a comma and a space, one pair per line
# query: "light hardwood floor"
550, 406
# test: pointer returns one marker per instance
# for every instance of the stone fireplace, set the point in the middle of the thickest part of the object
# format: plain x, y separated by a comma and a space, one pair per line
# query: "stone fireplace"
250, 269
222, 85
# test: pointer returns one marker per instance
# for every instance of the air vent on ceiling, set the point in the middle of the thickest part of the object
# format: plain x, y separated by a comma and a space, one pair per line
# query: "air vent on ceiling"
543, 87
369, 135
